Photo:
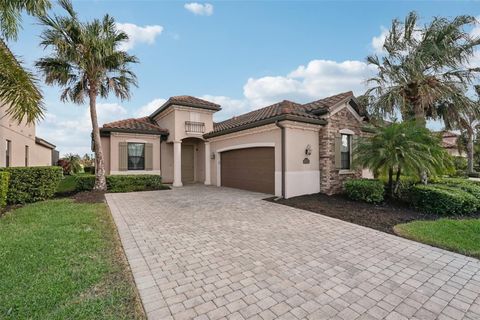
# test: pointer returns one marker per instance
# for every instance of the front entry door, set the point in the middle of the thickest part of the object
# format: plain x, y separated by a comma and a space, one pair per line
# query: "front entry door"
188, 173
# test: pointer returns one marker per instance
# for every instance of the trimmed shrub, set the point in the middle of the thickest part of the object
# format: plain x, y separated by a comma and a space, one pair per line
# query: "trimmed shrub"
463, 184
89, 169
32, 184
122, 183
443, 200
4, 177
84, 182
130, 183
369, 190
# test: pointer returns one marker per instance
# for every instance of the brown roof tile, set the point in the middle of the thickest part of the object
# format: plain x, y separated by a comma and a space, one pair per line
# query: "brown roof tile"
328, 102
188, 101
282, 108
144, 124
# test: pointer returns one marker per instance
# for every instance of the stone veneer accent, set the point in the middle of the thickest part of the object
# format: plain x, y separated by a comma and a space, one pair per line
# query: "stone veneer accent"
331, 180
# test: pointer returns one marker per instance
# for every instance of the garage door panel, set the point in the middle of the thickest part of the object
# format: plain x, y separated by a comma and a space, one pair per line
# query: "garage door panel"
250, 169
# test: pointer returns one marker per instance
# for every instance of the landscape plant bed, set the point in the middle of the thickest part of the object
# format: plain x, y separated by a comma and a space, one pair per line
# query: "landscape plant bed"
382, 217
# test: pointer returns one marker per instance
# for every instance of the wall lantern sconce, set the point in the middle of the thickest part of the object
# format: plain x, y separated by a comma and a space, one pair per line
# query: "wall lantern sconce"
212, 155
308, 150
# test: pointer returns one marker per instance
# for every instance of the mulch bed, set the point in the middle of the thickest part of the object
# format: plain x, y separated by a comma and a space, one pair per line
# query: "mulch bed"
89, 197
382, 217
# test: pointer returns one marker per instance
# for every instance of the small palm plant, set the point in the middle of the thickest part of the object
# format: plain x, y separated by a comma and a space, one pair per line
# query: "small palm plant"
402, 149
87, 62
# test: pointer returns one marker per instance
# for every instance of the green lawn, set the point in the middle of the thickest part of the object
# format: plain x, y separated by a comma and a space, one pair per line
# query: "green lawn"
462, 236
62, 260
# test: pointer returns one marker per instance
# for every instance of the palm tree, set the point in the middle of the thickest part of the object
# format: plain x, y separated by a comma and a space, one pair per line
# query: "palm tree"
423, 68
465, 120
18, 87
86, 62
402, 149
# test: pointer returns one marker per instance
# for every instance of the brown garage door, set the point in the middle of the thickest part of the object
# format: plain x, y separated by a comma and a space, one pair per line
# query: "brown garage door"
249, 169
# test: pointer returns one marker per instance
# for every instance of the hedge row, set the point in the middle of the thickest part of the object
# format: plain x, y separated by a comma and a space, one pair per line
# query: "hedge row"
31, 184
122, 183
368, 190
445, 196
4, 177
443, 199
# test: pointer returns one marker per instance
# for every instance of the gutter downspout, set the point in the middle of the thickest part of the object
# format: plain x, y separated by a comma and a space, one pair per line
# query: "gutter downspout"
282, 129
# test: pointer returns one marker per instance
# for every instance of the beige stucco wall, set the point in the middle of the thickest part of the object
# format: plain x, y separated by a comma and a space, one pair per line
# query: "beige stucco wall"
167, 162
106, 153
111, 147
301, 178
40, 156
264, 136
174, 118
21, 135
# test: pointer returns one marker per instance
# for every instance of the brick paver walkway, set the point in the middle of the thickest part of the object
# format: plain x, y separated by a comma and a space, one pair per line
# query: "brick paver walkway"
209, 253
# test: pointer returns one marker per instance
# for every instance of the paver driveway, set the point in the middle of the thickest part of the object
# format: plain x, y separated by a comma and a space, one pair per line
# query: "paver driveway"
210, 253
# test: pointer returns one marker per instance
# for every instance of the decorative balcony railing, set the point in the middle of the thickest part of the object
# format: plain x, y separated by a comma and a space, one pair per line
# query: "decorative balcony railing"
194, 127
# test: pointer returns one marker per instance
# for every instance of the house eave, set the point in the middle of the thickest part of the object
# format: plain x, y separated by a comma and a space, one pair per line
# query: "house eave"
105, 132
265, 122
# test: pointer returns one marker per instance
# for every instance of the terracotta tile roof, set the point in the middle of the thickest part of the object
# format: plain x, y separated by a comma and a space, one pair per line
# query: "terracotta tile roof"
144, 124
449, 145
327, 103
282, 108
188, 101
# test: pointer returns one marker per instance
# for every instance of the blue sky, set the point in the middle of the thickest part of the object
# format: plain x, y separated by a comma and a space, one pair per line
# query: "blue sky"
243, 55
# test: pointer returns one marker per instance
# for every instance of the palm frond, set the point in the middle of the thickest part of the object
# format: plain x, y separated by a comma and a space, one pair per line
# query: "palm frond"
18, 89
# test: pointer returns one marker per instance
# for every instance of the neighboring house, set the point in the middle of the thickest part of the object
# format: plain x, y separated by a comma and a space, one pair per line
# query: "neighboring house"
286, 149
20, 147
450, 143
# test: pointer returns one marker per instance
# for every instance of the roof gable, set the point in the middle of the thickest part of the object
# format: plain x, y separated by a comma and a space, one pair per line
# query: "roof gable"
140, 125
187, 101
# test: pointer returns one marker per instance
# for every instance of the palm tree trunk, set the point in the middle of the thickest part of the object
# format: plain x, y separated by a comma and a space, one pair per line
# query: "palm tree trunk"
100, 181
470, 168
390, 182
397, 181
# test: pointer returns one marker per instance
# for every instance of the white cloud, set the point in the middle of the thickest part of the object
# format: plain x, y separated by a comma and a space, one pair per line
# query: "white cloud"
150, 107
378, 41
71, 134
137, 34
199, 9
230, 107
319, 78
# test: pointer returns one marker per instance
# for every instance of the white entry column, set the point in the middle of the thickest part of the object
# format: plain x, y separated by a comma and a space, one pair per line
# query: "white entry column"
177, 164
207, 163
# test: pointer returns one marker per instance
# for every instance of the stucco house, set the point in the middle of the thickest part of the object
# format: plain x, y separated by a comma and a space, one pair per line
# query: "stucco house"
450, 143
20, 147
285, 149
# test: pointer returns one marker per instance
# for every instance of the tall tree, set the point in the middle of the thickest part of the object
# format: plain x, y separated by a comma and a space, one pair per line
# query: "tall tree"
86, 62
402, 149
423, 68
466, 120
18, 87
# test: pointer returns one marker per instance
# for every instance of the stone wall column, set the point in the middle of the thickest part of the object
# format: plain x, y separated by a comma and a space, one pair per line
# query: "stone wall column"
177, 164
